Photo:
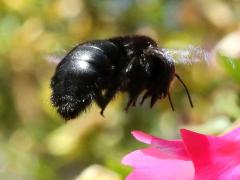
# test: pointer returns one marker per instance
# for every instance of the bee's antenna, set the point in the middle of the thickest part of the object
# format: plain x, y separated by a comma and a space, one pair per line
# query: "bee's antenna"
170, 101
185, 87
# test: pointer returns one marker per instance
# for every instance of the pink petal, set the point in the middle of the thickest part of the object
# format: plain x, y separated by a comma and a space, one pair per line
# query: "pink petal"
172, 148
233, 135
213, 157
142, 137
151, 164
197, 146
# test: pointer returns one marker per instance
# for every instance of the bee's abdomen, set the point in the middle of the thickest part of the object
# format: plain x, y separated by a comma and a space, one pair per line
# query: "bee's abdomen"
88, 68
92, 59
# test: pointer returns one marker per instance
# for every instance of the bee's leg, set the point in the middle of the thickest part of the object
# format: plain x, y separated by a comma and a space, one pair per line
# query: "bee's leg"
148, 93
128, 105
153, 100
103, 100
107, 98
132, 99
99, 99
132, 102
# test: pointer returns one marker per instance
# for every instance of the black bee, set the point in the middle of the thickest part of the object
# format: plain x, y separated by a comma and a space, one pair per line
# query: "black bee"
97, 70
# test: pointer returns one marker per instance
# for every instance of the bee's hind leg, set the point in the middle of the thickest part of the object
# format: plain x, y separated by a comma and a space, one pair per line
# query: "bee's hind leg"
103, 100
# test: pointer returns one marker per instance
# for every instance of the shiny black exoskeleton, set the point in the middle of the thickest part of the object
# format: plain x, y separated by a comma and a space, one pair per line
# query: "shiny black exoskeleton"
97, 70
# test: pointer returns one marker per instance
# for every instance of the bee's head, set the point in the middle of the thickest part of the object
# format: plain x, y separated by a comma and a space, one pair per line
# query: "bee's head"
164, 71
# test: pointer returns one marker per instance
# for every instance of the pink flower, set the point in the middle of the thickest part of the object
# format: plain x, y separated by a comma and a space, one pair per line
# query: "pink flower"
195, 157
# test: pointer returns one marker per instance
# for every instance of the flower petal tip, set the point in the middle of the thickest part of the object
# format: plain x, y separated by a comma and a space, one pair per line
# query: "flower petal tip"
142, 137
131, 158
185, 131
188, 133
124, 160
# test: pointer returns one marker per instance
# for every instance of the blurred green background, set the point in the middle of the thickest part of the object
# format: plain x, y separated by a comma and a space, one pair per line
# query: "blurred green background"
35, 143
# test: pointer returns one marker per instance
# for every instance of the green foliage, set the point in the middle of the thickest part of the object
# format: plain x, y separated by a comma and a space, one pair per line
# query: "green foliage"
231, 65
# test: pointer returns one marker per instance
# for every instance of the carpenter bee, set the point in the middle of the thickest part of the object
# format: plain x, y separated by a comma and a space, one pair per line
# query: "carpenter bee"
98, 69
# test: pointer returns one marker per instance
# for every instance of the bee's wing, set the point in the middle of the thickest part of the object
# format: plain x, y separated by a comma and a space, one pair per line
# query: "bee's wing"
189, 55
52, 59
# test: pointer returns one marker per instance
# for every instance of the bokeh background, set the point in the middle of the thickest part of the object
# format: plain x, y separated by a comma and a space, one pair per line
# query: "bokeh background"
35, 143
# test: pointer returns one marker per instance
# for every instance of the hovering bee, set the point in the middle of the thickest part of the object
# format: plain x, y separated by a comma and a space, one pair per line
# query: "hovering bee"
97, 70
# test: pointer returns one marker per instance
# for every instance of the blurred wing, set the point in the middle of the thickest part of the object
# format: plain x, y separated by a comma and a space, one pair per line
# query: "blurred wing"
53, 59
189, 55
